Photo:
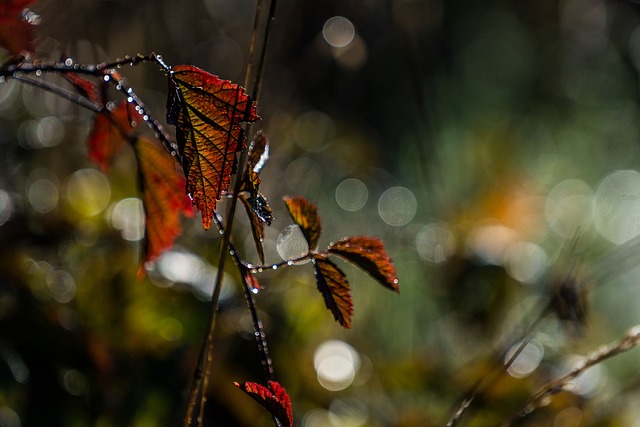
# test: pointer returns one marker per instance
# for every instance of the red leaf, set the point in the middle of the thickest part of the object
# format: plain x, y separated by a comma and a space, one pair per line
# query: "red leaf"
207, 113
273, 398
163, 196
305, 214
109, 132
332, 284
368, 253
86, 87
251, 280
16, 26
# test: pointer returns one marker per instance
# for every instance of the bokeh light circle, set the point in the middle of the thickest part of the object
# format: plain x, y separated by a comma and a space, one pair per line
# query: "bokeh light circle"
616, 206
338, 31
291, 243
352, 194
397, 206
336, 364
88, 191
435, 243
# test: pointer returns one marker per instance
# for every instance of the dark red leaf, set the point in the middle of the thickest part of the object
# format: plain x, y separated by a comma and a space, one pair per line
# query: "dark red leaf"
85, 87
110, 130
163, 196
368, 253
207, 113
334, 287
273, 398
305, 214
16, 26
250, 280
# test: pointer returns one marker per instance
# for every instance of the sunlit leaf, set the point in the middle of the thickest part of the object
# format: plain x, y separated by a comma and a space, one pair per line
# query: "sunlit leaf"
163, 196
110, 130
207, 113
334, 287
305, 214
273, 398
368, 253
16, 26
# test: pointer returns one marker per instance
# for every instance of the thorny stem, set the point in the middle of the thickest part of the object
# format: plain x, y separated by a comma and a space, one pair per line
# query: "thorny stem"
628, 342
203, 371
122, 85
105, 70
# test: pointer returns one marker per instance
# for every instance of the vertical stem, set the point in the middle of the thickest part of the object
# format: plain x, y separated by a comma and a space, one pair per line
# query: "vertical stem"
203, 371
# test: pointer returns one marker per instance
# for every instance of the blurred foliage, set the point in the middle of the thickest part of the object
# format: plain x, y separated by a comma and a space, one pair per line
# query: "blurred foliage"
475, 138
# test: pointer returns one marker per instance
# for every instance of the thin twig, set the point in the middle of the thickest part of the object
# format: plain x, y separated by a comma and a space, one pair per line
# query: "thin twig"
628, 342
62, 93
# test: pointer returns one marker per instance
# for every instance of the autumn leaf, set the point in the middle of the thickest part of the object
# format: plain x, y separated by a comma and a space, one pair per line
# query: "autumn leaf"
305, 214
368, 253
85, 87
109, 132
250, 280
207, 112
16, 26
334, 287
163, 196
273, 398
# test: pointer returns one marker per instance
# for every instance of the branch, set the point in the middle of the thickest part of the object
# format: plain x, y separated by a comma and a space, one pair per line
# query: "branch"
628, 342
62, 93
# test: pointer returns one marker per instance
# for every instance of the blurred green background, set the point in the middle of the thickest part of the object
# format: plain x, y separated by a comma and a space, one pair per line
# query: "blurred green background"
475, 138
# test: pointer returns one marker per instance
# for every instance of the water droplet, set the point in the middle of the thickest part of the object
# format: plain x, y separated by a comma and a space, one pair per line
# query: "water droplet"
221, 232
173, 153
106, 78
129, 90
254, 271
289, 262
130, 99
68, 62
38, 73
232, 253
119, 87
274, 266
2, 80
145, 118
255, 291
260, 270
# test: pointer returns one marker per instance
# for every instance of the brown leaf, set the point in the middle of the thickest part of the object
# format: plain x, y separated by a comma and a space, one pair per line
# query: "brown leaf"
334, 287
368, 253
305, 214
163, 196
207, 113
273, 398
